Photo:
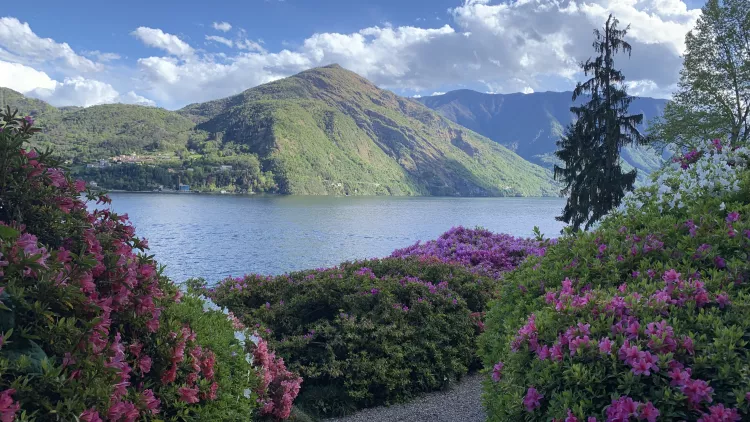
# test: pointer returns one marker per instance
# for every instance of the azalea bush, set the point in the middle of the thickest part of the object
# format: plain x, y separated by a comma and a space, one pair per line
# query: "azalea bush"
479, 250
365, 333
645, 318
89, 328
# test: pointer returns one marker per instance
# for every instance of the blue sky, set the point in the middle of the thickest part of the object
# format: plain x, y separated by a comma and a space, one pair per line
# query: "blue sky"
170, 53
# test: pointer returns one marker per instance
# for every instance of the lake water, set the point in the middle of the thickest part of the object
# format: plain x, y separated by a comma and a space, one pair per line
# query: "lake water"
215, 236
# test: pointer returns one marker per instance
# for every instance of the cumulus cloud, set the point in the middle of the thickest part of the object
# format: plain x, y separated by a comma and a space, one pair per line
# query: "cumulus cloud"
19, 44
86, 92
23, 78
77, 91
157, 38
492, 45
505, 46
222, 26
132, 98
220, 40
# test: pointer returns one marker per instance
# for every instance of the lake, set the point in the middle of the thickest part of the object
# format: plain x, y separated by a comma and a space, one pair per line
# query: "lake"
215, 236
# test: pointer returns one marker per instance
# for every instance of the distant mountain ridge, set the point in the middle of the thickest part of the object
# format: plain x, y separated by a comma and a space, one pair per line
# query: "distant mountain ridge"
323, 131
531, 124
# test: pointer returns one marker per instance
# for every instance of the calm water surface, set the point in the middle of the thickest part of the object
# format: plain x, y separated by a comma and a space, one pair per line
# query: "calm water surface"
213, 236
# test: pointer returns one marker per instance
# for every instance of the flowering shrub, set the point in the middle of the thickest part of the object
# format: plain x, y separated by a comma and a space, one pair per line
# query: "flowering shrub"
712, 171
365, 333
89, 329
646, 318
478, 250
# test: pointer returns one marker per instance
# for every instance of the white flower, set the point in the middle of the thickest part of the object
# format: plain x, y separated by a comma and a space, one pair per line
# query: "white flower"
248, 393
723, 206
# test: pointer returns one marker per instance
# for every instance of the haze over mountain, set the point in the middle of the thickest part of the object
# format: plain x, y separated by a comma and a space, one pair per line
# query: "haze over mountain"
531, 124
325, 130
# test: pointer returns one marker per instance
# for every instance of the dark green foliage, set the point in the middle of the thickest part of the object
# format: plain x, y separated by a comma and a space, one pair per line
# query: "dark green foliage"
590, 149
234, 374
346, 332
713, 94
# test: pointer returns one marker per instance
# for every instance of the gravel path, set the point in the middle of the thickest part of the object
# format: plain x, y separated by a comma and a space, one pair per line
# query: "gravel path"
461, 403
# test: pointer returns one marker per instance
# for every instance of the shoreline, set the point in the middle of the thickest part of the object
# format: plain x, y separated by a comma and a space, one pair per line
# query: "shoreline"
308, 195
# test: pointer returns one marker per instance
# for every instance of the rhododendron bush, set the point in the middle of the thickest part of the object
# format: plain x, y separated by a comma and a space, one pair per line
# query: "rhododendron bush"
479, 250
645, 318
89, 329
369, 332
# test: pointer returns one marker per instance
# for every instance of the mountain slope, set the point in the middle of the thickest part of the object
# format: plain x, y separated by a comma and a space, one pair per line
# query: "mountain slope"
531, 124
102, 131
328, 130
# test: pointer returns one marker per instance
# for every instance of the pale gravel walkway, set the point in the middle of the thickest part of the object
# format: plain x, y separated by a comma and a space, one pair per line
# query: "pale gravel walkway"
460, 403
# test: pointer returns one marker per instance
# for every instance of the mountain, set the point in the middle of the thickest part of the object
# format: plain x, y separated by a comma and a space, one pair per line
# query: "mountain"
531, 124
328, 130
102, 131
323, 131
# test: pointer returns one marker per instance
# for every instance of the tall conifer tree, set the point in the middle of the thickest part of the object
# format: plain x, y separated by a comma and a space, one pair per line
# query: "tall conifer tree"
590, 147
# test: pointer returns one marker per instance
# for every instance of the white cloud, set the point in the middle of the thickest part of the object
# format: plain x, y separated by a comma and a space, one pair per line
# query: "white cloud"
220, 40
102, 57
84, 92
77, 91
250, 45
520, 46
437, 93
23, 78
18, 43
159, 39
132, 98
222, 26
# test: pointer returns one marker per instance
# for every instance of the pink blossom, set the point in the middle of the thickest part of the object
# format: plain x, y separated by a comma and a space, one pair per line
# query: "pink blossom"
722, 299
144, 364
571, 417
170, 375
90, 415
697, 391
719, 413
622, 409
605, 345
123, 410
497, 372
8, 407
532, 399
671, 276
733, 217
188, 395
151, 402
58, 177
79, 186
649, 412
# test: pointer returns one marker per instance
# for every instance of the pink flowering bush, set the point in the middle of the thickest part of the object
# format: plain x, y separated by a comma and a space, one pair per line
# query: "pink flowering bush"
365, 333
479, 250
645, 318
89, 329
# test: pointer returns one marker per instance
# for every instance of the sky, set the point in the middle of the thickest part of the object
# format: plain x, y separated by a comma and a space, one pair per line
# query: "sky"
170, 53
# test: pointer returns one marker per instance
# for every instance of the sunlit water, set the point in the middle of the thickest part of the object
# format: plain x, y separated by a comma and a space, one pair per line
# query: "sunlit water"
215, 236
